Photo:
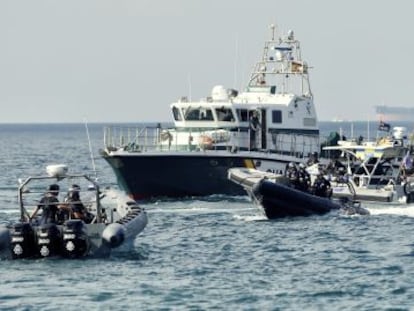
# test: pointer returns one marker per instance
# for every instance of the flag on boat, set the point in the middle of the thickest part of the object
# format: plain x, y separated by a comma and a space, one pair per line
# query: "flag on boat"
301, 67
407, 161
384, 126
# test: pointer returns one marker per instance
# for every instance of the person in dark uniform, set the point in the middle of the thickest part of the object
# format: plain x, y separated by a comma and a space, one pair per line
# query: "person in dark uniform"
313, 159
322, 187
304, 178
49, 205
254, 127
291, 173
77, 209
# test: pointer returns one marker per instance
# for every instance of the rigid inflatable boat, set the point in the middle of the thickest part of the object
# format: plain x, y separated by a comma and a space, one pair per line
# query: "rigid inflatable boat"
277, 198
109, 219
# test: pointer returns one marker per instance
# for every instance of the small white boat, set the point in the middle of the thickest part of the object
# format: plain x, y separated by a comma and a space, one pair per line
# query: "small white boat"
113, 219
371, 171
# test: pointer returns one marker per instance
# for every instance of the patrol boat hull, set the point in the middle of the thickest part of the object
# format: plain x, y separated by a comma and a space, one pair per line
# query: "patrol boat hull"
172, 175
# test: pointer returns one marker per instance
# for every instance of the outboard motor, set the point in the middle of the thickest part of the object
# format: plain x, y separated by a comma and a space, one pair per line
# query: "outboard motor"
75, 239
22, 241
48, 240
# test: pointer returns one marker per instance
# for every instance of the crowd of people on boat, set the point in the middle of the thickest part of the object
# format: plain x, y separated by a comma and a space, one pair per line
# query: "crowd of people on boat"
300, 178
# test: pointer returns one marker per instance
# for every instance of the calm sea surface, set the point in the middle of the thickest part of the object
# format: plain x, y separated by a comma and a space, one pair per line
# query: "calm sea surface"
213, 253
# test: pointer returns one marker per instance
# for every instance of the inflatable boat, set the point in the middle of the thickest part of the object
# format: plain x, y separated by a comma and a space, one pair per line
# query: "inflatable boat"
108, 220
277, 198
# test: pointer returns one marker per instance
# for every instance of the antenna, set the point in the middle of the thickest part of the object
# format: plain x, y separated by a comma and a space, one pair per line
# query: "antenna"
235, 62
189, 86
90, 150
272, 29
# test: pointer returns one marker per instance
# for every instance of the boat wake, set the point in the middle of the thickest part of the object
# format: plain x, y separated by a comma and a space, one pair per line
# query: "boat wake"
403, 210
198, 209
201, 205
251, 218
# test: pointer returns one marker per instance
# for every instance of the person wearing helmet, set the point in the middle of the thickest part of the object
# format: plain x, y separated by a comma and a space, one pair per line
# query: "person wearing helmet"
77, 209
304, 180
49, 204
313, 159
322, 187
291, 173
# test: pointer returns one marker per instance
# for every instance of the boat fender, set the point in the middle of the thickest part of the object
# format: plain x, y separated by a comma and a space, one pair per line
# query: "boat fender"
22, 241
205, 142
114, 235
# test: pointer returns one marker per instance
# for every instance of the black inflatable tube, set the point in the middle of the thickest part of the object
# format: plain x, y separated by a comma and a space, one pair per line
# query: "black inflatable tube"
282, 201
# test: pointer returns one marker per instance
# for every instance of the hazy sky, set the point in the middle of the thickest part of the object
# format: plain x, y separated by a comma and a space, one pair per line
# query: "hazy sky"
119, 60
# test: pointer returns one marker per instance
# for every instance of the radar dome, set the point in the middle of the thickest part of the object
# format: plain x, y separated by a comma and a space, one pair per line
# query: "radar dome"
219, 93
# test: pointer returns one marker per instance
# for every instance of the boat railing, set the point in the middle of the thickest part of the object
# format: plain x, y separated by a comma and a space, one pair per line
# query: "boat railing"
158, 139
31, 190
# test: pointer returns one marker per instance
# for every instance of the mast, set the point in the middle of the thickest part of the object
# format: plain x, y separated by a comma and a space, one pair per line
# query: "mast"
281, 66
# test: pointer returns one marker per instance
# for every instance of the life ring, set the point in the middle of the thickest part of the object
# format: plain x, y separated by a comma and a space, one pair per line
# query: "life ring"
205, 141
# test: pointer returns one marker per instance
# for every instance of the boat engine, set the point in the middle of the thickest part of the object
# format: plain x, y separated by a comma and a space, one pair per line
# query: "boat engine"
48, 240
75, 239
22, 241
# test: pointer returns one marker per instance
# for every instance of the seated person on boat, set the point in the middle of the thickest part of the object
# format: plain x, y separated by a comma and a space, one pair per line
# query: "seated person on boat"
49, 205
322, 187
76, 208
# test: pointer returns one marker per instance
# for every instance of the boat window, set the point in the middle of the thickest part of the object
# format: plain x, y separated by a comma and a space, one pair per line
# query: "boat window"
198, 114
242, 115
176, 114
309, 121
206, 114
276, 116
224, 114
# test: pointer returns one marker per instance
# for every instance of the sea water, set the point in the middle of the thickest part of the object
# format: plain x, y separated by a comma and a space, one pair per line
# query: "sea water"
210, 253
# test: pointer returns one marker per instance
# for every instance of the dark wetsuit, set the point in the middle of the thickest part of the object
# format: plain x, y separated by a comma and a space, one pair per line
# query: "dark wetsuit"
49, 206
292, 174
322, 187
304, 180
78, 208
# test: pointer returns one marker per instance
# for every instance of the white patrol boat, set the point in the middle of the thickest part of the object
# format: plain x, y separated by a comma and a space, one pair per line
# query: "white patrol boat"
272, 122
111, 219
